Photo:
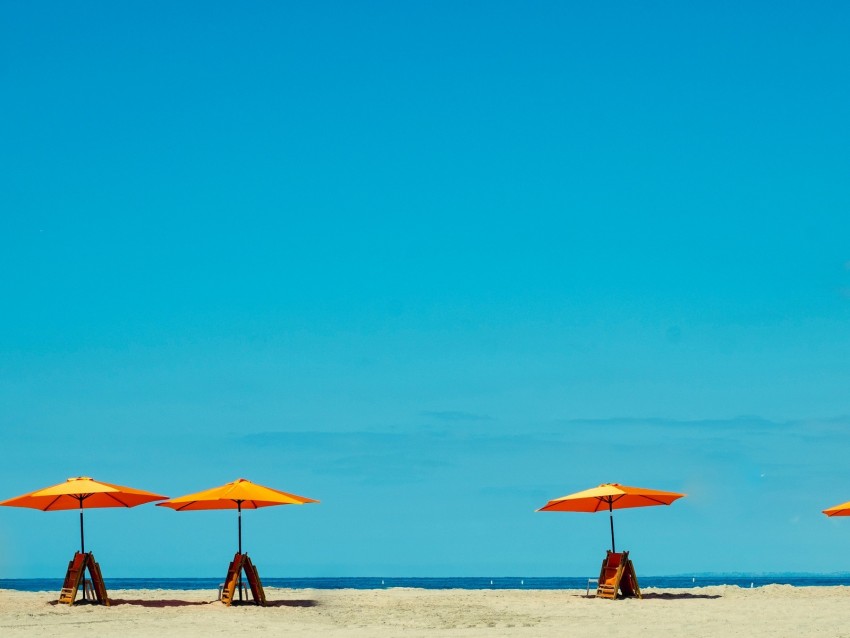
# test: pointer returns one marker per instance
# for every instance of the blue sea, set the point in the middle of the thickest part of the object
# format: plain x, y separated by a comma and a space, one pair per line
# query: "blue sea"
486, 582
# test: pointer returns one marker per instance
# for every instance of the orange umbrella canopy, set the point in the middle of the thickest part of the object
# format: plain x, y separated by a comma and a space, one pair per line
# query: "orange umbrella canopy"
82, 491
838, 510
610, 496
239, 494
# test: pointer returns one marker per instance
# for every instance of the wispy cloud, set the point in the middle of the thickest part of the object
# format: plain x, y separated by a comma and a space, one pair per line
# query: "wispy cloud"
456, 415
411, 455
706, 457
362, 457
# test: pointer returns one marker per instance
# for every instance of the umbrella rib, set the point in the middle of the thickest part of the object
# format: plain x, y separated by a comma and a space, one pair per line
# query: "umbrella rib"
112, 496
79, 497
603, 500
52, 502
654, 500
182, 507
614, 499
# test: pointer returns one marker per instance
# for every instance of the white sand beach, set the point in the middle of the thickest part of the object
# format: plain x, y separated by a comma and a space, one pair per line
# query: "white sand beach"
775, 610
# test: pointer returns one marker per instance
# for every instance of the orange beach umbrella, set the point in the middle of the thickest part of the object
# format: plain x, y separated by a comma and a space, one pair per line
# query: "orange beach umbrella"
610, 496
82, 492
239, 494
838, 510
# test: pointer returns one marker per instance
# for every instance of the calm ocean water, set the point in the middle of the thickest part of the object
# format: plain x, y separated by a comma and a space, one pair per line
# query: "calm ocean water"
514, 582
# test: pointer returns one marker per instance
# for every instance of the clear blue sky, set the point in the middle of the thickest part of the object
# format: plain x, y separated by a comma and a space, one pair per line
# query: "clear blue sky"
433, 264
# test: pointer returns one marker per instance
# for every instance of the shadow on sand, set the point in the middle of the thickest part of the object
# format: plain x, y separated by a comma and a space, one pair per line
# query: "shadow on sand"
682, 596
186, 603
160, 603
291, 603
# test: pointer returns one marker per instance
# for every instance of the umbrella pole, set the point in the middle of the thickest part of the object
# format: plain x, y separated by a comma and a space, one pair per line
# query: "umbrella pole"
239, 507
82, 534
611, 516
82, 542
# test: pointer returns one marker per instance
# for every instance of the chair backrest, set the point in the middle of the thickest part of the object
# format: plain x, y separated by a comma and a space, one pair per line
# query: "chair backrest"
612, 567
614, 559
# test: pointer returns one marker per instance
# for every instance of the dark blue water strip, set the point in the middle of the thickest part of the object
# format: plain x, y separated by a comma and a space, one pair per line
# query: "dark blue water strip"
514, 582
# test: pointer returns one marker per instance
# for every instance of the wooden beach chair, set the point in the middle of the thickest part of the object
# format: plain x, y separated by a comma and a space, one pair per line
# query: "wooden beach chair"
97, 582
629, 583
257, 591
617, 575
74, 577
232, 581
